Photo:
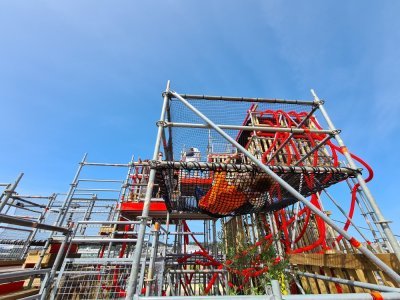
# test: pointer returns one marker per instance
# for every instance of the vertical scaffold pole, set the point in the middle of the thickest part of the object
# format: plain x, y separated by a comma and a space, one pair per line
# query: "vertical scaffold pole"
70, 194
371, 200
9, 191
364, 250
276, 290
146, 207
48, 282
121, 198
62, 213
153, 254
88, 213
40, 219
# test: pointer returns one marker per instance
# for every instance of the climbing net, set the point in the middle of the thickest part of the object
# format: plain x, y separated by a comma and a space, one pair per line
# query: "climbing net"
295, 147
220, 189
222, 113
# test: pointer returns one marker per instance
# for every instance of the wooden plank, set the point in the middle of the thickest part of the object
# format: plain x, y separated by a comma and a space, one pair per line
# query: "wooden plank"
304, 282
331, 285
33, 258
303, 241
313, 283
388, 281
371, 277
246, 229
313, 232
265, 145
346, 246
19, 294
240, 236
339, 273
304, 149
332, 235
347, 261
6, 263
353, 275
321, 283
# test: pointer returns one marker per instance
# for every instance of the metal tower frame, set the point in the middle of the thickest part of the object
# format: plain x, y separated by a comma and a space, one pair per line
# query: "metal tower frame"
162, 124
105, 251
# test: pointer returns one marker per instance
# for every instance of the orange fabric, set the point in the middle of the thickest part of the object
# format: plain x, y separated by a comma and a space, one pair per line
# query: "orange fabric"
376, 296
222, 198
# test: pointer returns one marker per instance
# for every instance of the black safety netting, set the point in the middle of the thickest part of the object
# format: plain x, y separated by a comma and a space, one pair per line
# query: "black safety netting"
220, 189
207, 140
197, 175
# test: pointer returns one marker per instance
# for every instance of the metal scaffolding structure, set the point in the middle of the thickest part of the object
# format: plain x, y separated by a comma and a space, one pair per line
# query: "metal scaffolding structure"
242, 197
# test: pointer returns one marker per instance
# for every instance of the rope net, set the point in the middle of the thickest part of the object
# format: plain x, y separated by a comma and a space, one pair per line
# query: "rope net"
197, 177
221, 189
220, 112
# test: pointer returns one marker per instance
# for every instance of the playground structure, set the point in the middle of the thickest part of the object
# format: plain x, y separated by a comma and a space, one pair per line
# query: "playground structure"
239, 198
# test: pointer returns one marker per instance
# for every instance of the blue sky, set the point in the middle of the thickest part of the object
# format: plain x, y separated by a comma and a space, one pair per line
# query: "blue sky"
87, 76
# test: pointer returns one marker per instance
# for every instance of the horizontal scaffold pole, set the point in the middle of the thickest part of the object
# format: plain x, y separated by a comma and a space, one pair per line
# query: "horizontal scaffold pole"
365, 285
249, 168
361, 296
26, 223
109, 222
21, 275
105, 164
196, 271
246, 99
102, 240
249, 128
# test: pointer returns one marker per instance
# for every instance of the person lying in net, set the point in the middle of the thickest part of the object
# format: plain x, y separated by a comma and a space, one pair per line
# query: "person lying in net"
239, 191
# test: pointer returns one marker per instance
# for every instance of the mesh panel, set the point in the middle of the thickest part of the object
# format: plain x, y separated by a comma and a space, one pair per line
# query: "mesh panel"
14, 239
12, 242
220, 112
94, 279
232, 189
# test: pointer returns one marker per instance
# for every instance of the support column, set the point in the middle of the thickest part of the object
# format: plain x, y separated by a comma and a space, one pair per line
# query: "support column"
146, 207
47, 284
381, 220
150, 274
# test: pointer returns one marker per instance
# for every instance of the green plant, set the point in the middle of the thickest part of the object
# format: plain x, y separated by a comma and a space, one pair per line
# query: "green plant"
257, 263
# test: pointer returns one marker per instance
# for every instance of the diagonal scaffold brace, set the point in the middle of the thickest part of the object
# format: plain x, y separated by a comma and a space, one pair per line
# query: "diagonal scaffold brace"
364, 250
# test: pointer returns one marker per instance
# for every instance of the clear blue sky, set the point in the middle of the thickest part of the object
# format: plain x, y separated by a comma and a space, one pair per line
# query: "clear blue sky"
87, 76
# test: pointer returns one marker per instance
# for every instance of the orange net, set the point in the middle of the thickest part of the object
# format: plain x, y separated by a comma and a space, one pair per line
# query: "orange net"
221, 189
222, 197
